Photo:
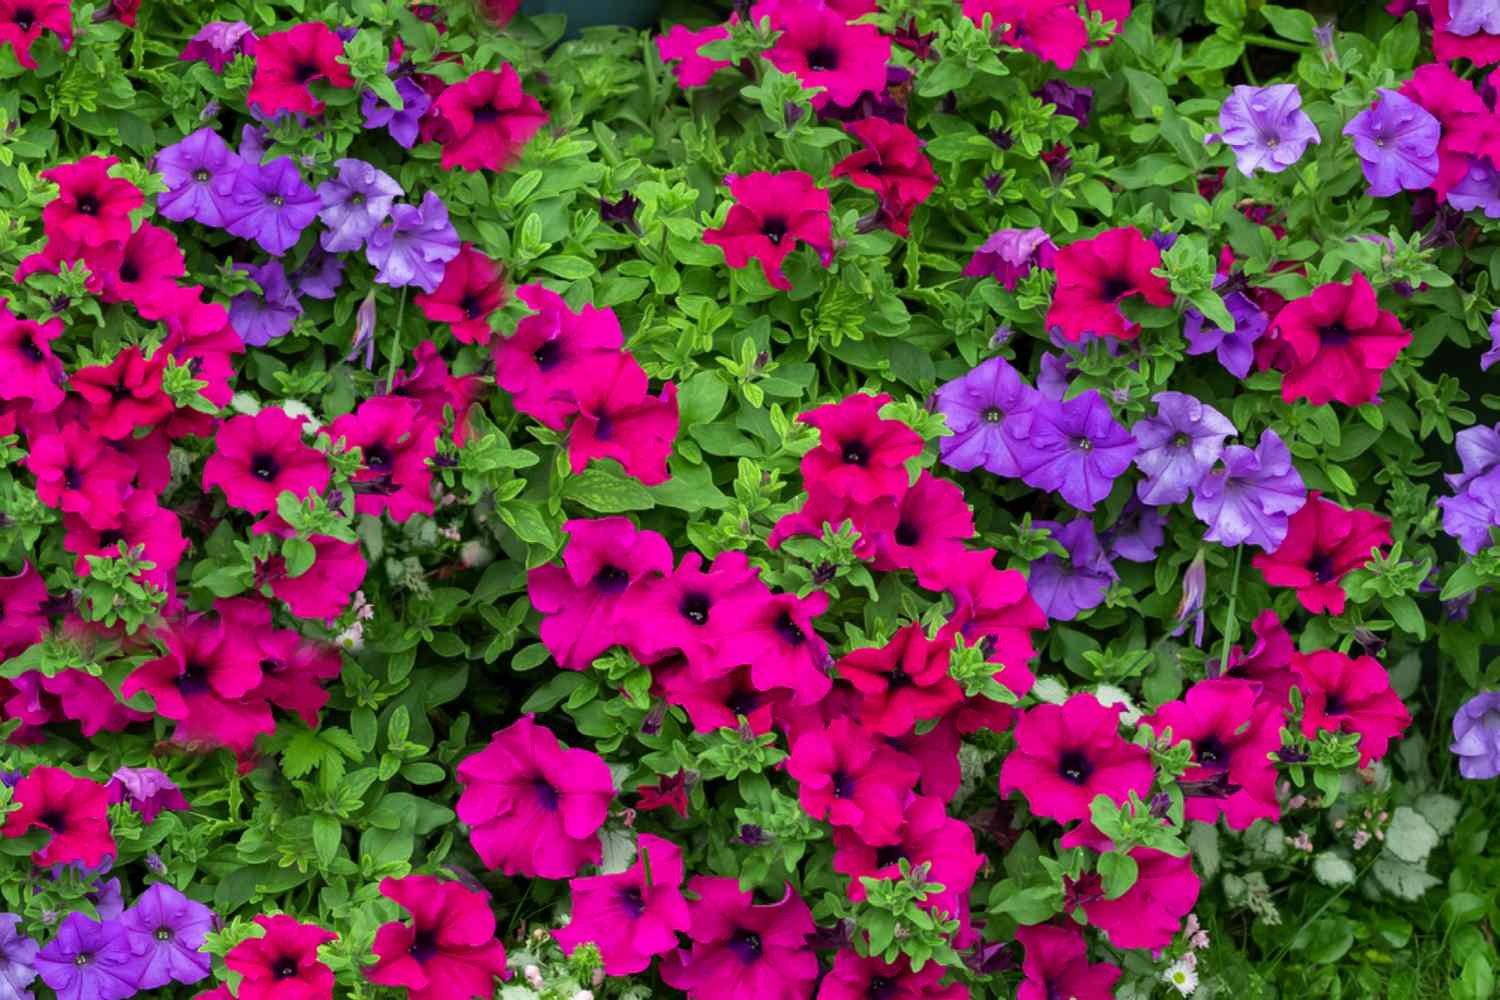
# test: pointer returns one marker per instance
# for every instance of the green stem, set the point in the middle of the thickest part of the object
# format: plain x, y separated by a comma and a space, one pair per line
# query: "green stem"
1229, 620
395, 356
1266, 42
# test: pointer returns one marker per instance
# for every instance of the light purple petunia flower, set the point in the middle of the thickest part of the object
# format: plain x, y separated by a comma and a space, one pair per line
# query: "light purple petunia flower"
199, 171
1235, 348
355, 203
402, 125
414, 247
166, 932
1266, 127
261, 318
89, 960
1396, 140
1476, 736
1074, 447
1493, 354
977, 407
1138, 533
1467, 18
1469, 515
1064, 588
1010, 255
148, 790
320, 275
17, 959
271, 205
1478, 188
1178, 447
218, 42
1253, 496
1478, 451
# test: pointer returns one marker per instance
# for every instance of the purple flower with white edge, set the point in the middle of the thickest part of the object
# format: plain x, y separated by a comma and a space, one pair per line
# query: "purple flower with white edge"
1235, 348
218, 42
355, 203
1075, 102
89, 960
17, 959
1476, 736
1010, 255
1478, 188
1138, 533
1473, 17
401, 125
978, 406
1253, 496
1178, 446
320, 275
261, 318
1075, 447
1266, 127
148, 791
1065, 588
271, 205
199, 171
1396, 140
167, 931
414, 247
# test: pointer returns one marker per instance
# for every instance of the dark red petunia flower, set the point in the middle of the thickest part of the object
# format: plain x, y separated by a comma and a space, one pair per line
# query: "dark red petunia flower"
124, 395
772, 213
75, 810
473, 287
668, 793
91, 209
859, 455
1337, 344
283, 964
23, 21
1323, 543
1095, 275
287, 61
1352, 695
486, 120
893, 166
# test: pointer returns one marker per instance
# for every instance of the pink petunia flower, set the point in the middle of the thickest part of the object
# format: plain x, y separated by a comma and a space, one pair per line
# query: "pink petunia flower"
681, 45
282, 964
688, 610
848, 778
1151, 911
742, 951
856, 978
77, 473
772, 213
928, 836
286, 62
22, 620
859, 455
321, 592
821, 48
157, 532
775, 637
1233, 734
258, 457
33, 372
448, 950
1066, 755
1350, 695
1051, 30
1057, 964
1095, 275
396, 446
617, 418
91, 209
893, 166
904, 682
634, 915
551, 352
486, 119
1334, 344
74, 810
931, 524
1324, 543
23, 21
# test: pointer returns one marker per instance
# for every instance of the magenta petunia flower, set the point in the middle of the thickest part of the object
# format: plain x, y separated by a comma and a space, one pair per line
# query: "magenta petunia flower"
1324, 542
148, 791
845, 776
1095, 275
822, 49
904, 682
772, 213
1051, 30
79, 473
287, 62
33, 372
742, 951
1010, 255
776, 639
859, 454
928, 836
1233, 733
74, 810
1351, 695
1396, 140
719, 701
323, 591
991, 606
856, 978
486, 120
1056, 964
1066, 755
552, 351
92, 209
929, 522
892, 165
23, 21
618, 418
270, 204
534, 809
1337, 344
396, 448
632, 916
681, 45
820, 509
690, 610
218, 43
448, 950
204, 664
473, 288
283, 963
1151, 911
258, 457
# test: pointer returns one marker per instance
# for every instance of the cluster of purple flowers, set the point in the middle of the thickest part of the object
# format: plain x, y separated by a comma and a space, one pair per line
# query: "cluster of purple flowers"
1474, 508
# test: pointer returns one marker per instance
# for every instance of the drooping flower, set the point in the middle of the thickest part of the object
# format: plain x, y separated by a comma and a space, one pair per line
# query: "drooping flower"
859, 454
631, 916
74, 810
22, 621
402, 125
1338, 343
1095, 275
847, 777
534, 809
320, 275
89, 960
1350, 695
1324, 542
270, 204
473, 287
148, 791
287, 62
396, 448
283, 963
1068, 754
583, 601
1266, 127
1235, 348
262, 317
1074, 102
551, 352
1476, 737
167, 931
618, 418
856, 978
1056, 964
1065, 587
1478, 187
822, 49
1233, 733
414, 246
1252, 498
893, 166
33, 372
258, 457
448, 950
1076, 448
1010, 255
1178, 446
1396, 140
1138, 533
218, 43
92, 209
354, 204
487, 119
23, 21
17, 959
199, 171
681, 46
671, 792
743, 951
771, 214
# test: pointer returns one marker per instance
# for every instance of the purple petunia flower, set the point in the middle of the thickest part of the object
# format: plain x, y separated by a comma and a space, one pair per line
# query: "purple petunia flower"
977, 406
1478, 188
254, 141
414, 247
1467, 18
1493, 354
401, 125
1396, 140
260, 319
1178, 447
355, 204
271, 205
1064, 588
1253, 497
364, 333
1469, 515
1075, 447
166, 932
148, 790
1054, 375
1191, 607
1266, 127
320, 275
17, 959
1010, 255
89, 960
218, 42
1235, 348
1478, 451
199, 171
1476, 736
1075, 102
1138, 533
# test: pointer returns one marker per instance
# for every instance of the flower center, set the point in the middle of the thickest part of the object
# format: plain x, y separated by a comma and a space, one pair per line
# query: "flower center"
25, 17
604, 427
1114, 288
1074, 766
611, 579
743, 702
694, 608
486, 114
1083, 444
264, 467
907, 534
856, 453
54, 820
72, 478
1335, 335
993, 415
548, 355
378, 457
285, 968
843, 784
163, 934
888, 855
277, 200
774, 229
1212, 752
1321, 567
109, 539
632, 902
882, 988
83, 958
1334, 704
88, 204
746, 946
546, 794
30, 351
201, 175
471, 306
304, 72
822, 58
129, 272
193, 680
789, 630
424, 945
1181, 440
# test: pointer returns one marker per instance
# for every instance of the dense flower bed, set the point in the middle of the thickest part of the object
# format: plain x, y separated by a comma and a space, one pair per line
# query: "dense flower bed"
889, 499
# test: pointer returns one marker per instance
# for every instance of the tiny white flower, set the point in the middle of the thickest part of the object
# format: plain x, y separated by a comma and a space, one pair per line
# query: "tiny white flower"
583, 995
1181, 977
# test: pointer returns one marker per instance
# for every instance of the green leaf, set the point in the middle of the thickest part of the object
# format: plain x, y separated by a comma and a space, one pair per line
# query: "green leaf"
607, 492
1406, 613
1119, 872
327, 834
1296, 25
1410, 837
1333, 870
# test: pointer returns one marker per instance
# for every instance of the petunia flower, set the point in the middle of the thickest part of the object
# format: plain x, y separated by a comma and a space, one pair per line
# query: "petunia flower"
167, 932
283, 963
286, 62
321, 592
824, 50
413, 247
473, 288
1350, 695
22, 621
355, 203
1178, 446
267, 315
1234, 348
689, 611
1074, 102
740, 950
1252, 497
1066, 755
859, 454
199, 171
928, 836
258, 457
856, 978
1150, 913
631, 916
448, 950
552, 351
1233, 733
681, 46
1324, 543
142, 270
977, 406
776, 638
218, 43
204, 666
147, 790
79, 473
1010, 255
402, 125
1476, 738
396, 447
1095, 275
1051, 30
486, 120
1076, 448
930, 520
23, 21
1056, 964
1266, 127
1396, 140
320, 275
893, 166
17, 959
89, 960
1461, 113
33, 372
74, 810
1065, 587
91, 209
618, 418
270, 204
772, 213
